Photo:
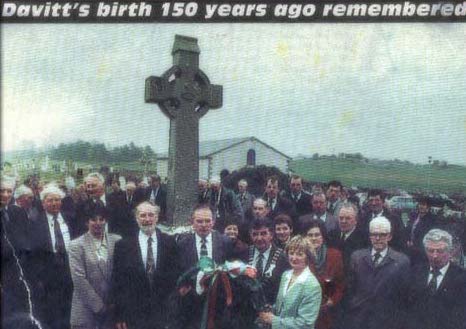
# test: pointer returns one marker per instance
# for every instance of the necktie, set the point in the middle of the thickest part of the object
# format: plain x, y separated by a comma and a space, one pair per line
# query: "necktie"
59, 242
260, 264
432, 286
377, 257
150, 264
204, 252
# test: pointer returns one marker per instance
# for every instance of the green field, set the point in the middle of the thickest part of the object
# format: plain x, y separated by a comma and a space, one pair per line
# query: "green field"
409, 177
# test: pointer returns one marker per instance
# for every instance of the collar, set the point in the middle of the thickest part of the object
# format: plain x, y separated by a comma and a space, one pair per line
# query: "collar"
443, 270
382, 253
102, 198
145, 237
265, 253
50, 217
305, 275
208, 238
348, 234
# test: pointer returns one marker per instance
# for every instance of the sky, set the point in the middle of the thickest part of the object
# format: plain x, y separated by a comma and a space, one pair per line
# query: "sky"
384, 90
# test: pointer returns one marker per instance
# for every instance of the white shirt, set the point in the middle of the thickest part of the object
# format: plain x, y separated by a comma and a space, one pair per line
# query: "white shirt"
347, 234
323, 217
382, 253
153, 194
63, 228
266, 257
101, 248
208, 243
102, 198
143, 243
443, 271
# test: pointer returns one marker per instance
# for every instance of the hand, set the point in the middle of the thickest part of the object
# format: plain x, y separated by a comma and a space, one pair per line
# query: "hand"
250, 272
184, 290
266, 317
121, 325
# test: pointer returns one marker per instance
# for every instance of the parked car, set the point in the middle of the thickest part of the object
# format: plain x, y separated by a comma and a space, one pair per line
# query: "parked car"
402, 203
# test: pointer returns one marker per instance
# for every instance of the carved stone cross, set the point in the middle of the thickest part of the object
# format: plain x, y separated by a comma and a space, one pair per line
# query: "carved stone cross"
184, 94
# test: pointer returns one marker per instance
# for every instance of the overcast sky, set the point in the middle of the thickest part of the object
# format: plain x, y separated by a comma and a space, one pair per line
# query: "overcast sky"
385, 90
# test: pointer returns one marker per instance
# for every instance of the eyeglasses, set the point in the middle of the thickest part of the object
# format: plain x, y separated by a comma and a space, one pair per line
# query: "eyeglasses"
379, 235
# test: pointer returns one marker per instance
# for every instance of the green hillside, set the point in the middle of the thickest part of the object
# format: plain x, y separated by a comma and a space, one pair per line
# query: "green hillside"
406, 176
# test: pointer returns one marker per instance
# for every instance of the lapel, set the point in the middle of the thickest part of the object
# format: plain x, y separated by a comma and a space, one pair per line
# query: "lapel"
92, 254
449, 275
137, 262
215, 244
193, 249
158, 261
46, 232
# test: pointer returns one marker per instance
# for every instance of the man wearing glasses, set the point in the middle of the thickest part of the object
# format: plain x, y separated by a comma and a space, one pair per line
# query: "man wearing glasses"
376, 283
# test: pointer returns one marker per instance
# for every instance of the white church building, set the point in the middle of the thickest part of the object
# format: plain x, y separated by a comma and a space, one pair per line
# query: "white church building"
231, 154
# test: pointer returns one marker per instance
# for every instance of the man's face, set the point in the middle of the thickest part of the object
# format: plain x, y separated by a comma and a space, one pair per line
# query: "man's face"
347, 220
283, 232
25, 201
231, 231
260, 209
215, 186
96, 226
261, 238
333, 193
379, 238
202, 185
147, 218
319, 204
155, 183
375, 203
52, 203
115, 187
437, 253
271, 189
296, 185
423, 208
94, 187
130, 189
203, 222
242, 187
5, 195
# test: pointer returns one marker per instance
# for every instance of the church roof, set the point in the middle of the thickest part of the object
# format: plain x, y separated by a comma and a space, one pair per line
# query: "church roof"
209, 148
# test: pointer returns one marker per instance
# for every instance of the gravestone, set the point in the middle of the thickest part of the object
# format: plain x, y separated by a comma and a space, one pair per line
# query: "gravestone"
184, 94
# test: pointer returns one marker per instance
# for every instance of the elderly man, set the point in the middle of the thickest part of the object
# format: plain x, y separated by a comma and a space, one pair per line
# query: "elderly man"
144, 273
319, 211
245, 198
48, 267
223, 202
154, 193
376, 200
377, 282
437, 294
347, 237
24, 198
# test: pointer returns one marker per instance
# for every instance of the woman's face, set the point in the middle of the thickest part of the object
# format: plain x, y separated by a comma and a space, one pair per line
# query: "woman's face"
96, 226
297, 259
283, 232
314, 236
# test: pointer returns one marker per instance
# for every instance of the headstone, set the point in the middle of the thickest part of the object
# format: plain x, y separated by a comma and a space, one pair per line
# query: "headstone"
184, 94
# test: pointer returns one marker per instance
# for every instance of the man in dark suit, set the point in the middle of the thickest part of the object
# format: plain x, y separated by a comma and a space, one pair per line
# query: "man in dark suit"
203, 189
418, 226
376, 283
275, 202
269, 260
319, 211
144, 273
48, 266
347, 237
376, 200
154, 193
437, 294
223, 202
333, 194
300, 198
14, 250
123, 206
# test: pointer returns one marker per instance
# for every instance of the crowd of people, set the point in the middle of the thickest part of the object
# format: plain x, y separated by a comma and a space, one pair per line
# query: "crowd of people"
92, 257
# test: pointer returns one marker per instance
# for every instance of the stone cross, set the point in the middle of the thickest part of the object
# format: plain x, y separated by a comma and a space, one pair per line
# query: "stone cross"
184, 94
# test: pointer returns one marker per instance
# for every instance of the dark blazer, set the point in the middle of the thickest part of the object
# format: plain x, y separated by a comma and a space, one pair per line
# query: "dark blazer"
357, 240
331, 270
303, 205
222, 249
228, 204
275, 265
399, 237
416, 250
375, 292
246, 199
50, 275
444, 310
137, 302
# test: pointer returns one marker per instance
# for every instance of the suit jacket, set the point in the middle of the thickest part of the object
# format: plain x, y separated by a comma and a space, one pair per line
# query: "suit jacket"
425, 224
50, 275
375, 292
331, 222
275, 265
445, 309
357, 240
222, 250
138, 302
246, 199
399, 237
282, 206
299, 306
91, 279
303, 205
331, 270
227, 204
